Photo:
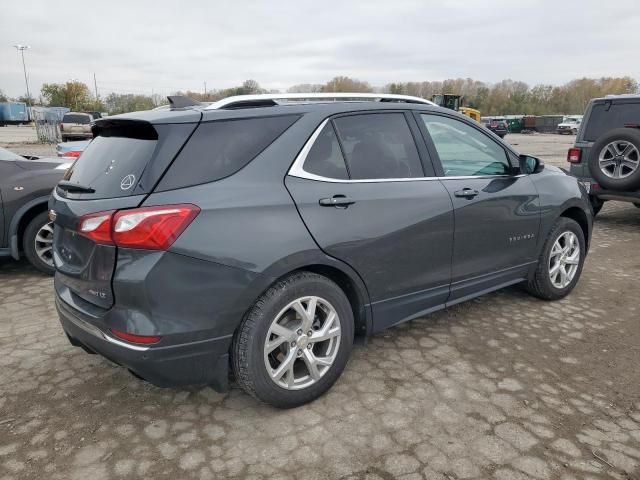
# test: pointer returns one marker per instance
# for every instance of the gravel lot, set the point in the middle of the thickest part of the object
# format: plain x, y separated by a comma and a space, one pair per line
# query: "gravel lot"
504, 387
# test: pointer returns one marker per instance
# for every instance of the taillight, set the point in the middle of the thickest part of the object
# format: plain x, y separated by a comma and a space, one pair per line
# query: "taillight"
574, 155
130, 337
148, 228
152, 228
97, 227
62, 127
72, 154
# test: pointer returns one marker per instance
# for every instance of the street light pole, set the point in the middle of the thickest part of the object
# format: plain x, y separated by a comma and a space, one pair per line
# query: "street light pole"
22, 48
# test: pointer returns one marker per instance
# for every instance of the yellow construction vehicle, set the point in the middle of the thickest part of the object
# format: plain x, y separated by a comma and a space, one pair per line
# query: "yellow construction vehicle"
454, 102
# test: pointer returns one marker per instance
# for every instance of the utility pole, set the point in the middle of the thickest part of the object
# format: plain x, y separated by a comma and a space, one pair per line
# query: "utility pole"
22, 48
95, 85
205, 90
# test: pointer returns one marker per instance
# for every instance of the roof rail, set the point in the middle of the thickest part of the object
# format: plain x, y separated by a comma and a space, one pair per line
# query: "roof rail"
272, 99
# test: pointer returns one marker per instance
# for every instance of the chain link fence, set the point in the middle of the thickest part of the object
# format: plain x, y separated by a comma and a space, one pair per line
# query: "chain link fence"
47, 121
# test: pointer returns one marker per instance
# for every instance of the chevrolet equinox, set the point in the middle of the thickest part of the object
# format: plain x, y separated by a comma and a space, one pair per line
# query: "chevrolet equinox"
256, 237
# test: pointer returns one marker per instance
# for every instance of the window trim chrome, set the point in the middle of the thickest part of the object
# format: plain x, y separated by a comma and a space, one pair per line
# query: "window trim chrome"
297, 168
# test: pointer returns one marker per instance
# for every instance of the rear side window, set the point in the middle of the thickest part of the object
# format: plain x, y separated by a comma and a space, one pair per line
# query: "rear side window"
325, 158
379, 145
112, 165
603, 119
74, 118
221, 148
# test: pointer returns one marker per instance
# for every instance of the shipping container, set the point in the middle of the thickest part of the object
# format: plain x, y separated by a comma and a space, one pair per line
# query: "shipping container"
13, 113
548, 123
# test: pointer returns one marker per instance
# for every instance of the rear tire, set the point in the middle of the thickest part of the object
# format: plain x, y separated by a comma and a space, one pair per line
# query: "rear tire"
37, 243
547, 283
272, 354
615, 159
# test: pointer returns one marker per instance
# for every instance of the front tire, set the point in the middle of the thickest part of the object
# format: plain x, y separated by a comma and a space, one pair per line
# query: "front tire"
37, 243
295, 341
560, 263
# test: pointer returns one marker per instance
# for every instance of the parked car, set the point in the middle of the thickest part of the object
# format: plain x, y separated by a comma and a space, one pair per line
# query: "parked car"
570, 125
263, 233
499, 126
71, 149
606, 154
76, 125
25, 185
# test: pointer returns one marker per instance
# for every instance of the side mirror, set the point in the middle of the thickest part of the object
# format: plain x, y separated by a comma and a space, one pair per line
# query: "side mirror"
529, 164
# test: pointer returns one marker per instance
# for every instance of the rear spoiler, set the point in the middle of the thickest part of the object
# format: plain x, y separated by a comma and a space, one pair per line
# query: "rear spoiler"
180, 101
124, 127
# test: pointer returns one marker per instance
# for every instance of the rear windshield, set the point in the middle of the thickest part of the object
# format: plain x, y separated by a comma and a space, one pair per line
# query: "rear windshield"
603, 119
112, 165
221, 148
75, 118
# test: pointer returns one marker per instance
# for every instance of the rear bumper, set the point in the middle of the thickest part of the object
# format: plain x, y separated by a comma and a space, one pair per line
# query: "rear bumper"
76, 135
203, 362
603, 194
620, 196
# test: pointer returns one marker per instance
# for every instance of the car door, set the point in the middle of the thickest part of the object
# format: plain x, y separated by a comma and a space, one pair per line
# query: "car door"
361, 189
496, 209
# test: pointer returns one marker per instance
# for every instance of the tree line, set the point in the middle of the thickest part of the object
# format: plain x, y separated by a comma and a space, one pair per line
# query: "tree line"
507, 97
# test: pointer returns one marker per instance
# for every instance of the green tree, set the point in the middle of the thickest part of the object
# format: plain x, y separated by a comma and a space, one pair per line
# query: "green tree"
72, 94
346, 84
124, 103
3, 97
305, 88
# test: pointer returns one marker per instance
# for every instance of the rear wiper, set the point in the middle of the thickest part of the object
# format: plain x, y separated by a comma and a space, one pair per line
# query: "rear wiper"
71, 187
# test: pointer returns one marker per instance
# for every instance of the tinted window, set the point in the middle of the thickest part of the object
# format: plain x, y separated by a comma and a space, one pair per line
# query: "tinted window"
463, 150
617, 115
379, 145
106, 162
219, 149
74, 118
325, 158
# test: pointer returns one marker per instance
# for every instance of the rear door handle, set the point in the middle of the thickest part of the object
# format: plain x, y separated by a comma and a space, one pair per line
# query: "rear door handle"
466, 193
337, 201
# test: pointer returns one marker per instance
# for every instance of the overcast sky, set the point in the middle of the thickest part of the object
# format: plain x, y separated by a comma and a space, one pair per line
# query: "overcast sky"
162, 46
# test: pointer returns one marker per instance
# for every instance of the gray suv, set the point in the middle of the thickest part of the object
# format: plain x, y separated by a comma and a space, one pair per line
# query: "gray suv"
606, 155
259, 235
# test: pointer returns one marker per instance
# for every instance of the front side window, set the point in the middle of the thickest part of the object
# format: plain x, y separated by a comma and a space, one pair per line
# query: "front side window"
378, 146
463, 150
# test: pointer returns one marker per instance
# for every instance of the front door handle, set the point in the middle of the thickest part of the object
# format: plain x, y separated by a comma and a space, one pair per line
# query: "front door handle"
466, 193
337, 201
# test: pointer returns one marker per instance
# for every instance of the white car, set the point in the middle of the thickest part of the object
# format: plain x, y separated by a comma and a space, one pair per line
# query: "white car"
570, 125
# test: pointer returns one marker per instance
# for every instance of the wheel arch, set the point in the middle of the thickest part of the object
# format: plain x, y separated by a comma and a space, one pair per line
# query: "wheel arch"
343, 275
580, 217
21, 219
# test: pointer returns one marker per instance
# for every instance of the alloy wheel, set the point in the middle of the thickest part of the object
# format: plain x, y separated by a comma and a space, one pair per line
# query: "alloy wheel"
564, 259
302, 343
619, 159
44, 243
